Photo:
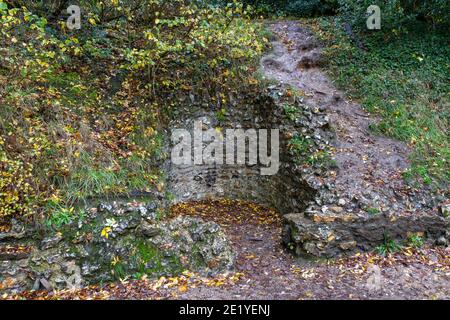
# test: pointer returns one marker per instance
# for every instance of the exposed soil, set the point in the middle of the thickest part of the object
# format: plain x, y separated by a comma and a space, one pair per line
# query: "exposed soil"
370, 166
364, 199
270, 272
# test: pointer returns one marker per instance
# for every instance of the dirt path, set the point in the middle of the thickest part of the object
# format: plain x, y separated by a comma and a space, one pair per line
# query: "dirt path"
270, 272
370, 166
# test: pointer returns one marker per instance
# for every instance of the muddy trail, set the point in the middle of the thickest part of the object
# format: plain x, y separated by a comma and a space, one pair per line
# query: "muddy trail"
370, 166
363, 196
271, 272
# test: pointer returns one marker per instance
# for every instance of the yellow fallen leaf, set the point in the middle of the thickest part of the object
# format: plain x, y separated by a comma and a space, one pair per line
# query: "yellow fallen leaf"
183, 288
105, 232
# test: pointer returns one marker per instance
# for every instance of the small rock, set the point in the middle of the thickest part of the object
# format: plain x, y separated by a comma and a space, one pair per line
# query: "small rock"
337, 209
433, 258
19, 255
441, 241
341, 202
36, 285
152, 206
149, 230
186, 195
105, 207
347, 245
46, 284
51, 242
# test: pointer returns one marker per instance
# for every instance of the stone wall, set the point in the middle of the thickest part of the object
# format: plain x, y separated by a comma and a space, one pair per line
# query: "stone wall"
288, 190
320, 219
114, 241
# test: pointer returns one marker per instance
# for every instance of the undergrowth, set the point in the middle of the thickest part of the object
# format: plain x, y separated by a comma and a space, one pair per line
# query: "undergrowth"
83, 113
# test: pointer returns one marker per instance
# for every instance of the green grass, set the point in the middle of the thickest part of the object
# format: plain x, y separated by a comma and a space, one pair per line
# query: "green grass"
388, 246
60, 215
416, 241
404, 79
89, 180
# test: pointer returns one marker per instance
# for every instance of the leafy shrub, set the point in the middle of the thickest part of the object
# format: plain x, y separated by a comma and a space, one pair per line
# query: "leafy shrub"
416, 241
308, 8
43, 7
60, 216
389, 246
299, 8
436, 11
18, 195
394, 13
85, 109
354, 12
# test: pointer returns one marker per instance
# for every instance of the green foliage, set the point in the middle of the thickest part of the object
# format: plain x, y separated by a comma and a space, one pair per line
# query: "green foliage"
305, 152
373, 211
60, 215
83, 111
415, 241
221, 115
354, 12
394, 13
309, 8
119, 270
403, 77
18, 196
300, 146
291, 111
298, 8
388, 246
